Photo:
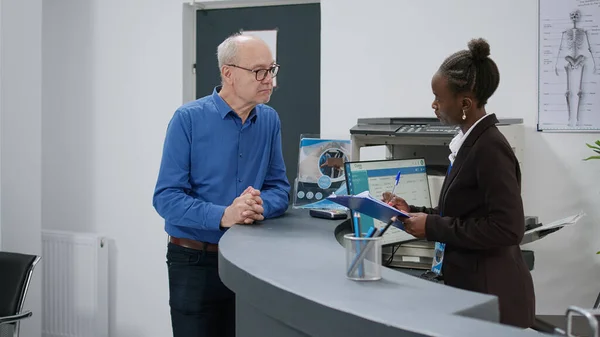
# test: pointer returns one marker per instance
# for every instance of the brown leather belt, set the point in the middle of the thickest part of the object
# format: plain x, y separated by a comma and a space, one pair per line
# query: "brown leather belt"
193, 244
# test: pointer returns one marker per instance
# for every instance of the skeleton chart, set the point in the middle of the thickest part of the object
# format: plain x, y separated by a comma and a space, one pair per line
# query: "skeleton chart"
569, 65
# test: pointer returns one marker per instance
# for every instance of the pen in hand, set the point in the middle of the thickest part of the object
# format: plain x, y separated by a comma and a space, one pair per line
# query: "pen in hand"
396, 183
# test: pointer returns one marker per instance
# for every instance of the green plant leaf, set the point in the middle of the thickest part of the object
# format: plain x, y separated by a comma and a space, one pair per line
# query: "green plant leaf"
598, 252
593, 147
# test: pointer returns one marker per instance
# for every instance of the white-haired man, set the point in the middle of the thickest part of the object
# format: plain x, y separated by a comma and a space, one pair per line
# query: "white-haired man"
222, 165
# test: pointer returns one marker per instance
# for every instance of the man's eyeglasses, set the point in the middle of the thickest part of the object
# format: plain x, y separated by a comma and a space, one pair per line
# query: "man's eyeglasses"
261, 74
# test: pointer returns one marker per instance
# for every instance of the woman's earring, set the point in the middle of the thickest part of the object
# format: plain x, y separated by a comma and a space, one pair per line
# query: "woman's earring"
464, 115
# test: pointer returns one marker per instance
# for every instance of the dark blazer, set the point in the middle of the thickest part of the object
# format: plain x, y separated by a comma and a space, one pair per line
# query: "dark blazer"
483, 224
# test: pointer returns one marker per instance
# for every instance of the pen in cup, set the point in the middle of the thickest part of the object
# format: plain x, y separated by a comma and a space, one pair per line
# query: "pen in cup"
371, 232
357, 262
355, 218
356, 223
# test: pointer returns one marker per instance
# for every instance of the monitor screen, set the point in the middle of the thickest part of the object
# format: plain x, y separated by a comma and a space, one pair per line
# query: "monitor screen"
378, 176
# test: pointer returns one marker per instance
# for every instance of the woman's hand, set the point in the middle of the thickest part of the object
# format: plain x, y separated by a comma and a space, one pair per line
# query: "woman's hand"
415, 225
395, 201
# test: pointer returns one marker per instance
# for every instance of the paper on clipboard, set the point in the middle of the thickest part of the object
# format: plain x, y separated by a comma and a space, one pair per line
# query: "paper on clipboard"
366, 204
558, 224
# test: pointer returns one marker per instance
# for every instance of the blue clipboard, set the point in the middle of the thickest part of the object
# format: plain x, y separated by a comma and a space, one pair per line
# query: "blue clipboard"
366, 204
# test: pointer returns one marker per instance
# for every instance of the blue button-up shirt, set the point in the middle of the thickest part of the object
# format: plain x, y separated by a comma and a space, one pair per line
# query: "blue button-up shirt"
209, 158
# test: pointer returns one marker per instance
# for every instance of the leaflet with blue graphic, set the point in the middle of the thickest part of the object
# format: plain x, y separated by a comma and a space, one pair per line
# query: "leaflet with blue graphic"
364, 203
321, 172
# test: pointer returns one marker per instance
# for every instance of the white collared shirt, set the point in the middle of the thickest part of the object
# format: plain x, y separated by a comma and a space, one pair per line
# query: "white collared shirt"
458, 140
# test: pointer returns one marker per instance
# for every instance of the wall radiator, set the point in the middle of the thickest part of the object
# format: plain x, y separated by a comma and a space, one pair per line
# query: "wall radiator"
75, 284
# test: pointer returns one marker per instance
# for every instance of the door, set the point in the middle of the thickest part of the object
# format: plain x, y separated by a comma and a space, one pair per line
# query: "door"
297, 94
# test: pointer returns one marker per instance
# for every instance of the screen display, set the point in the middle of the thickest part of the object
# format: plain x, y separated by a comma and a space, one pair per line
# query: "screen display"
378, 177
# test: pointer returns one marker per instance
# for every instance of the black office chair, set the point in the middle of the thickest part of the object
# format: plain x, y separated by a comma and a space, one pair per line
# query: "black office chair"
16, 270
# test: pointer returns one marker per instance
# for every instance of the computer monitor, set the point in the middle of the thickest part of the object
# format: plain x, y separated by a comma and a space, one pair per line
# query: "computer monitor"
379, 176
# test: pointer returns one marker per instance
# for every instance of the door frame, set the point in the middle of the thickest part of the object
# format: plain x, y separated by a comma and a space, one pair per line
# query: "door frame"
189, 33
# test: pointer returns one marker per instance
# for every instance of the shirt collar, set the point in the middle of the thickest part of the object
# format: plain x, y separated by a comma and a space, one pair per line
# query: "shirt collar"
224, 109
459, 139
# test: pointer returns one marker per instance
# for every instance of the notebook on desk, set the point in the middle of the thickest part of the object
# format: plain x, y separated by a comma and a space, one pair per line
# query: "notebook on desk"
377, 177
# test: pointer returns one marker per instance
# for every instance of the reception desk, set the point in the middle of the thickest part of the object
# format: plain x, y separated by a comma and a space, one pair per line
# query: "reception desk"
289, 279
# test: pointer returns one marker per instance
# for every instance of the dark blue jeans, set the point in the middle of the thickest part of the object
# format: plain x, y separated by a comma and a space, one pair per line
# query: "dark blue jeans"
201, 305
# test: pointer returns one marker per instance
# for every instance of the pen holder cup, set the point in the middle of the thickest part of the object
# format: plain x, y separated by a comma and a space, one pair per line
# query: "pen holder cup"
363, 258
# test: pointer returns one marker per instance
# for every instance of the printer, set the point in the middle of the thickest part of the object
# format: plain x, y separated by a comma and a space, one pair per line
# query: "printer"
427, 138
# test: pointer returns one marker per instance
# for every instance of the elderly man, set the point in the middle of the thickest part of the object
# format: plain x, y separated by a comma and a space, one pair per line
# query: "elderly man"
222, 165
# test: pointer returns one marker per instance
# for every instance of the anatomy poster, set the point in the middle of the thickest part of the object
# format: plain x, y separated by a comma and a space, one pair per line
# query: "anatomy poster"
569, 69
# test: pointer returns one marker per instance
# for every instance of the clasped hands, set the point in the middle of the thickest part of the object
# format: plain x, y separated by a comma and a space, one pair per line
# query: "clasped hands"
245, 209
415, 225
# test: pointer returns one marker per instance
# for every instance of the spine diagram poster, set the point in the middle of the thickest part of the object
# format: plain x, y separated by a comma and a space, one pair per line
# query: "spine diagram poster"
569, 56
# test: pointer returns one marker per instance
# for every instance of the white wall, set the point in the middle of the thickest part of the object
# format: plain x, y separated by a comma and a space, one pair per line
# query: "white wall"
112, 79
20, 139
398, 45
112, 76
